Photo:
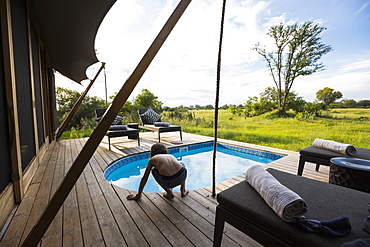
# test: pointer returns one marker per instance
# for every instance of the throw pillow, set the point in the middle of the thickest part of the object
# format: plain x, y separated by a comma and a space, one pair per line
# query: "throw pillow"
150, 116
117, 120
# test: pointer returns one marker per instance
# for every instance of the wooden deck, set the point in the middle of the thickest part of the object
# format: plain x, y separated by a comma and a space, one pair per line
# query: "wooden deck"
96, 213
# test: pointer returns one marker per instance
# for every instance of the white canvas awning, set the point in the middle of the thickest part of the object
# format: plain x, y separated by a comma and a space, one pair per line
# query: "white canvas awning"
68, 29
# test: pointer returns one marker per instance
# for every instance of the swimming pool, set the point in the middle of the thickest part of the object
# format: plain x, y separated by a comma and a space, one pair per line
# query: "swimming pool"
231, 161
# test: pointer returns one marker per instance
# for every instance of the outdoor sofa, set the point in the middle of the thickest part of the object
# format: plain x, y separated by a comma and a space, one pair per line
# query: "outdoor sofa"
242, 207
130, 130
151, 120
321, 156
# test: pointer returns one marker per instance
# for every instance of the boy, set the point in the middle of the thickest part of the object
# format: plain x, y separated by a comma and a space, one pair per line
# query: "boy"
167, 171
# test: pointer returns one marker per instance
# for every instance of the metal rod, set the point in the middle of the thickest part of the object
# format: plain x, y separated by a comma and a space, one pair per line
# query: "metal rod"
75, 107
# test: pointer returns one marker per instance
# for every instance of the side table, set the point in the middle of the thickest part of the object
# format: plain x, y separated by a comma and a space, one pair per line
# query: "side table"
350, 172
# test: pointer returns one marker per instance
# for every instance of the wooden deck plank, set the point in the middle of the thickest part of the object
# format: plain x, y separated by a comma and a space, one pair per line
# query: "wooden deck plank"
72, 233
181, 221
53, 235
206, 209
97, 213
91, 231
128, 228
43, 194
14, 233
203, 219
151, 233
162, 222
17, 226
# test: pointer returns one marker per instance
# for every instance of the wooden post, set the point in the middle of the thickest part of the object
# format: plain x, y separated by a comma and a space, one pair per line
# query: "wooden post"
65, 122
93, 142
11, 100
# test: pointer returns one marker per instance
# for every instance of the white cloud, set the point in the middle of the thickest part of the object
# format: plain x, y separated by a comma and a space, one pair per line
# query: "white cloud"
184, 70
359, 65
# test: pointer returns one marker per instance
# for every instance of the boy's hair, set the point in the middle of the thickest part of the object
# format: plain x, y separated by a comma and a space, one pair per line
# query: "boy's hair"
158, 148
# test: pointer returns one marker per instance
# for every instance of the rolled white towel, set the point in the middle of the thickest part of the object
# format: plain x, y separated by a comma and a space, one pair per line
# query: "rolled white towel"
287, 204
345, 149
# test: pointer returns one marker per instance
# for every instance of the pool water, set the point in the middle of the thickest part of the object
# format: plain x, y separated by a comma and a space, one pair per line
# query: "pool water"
231, 161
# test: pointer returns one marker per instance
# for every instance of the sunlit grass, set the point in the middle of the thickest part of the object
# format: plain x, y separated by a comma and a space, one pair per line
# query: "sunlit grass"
343, 125
75, 134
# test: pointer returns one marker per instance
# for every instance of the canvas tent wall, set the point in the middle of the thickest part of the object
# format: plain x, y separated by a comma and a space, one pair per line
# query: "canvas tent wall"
37, 37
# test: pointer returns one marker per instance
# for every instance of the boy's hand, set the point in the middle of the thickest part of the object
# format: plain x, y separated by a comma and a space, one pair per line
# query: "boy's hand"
133, 197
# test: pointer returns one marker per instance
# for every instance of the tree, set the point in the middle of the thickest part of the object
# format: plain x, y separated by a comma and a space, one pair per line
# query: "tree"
147, 100
363, 103
236, 111
293, 102
225, 107
255, 106
314, 108
65, 100
298, 50
349, 103
328, 96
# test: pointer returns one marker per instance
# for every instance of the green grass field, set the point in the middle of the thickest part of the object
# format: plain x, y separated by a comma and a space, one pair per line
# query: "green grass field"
350, 126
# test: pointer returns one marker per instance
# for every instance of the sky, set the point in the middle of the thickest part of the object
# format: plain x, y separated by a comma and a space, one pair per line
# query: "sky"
184, 70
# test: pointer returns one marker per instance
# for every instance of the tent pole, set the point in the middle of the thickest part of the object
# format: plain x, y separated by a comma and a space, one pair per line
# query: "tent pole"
75, 107
106, 93
217, 99
39, 229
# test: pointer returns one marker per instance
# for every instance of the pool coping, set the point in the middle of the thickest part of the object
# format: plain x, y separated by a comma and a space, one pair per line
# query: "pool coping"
146, 155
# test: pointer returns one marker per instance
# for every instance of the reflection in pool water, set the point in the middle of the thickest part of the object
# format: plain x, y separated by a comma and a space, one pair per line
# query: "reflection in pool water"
231, 161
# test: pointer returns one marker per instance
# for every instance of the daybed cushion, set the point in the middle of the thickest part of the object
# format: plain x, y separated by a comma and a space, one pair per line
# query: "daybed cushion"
313, 151
325, 202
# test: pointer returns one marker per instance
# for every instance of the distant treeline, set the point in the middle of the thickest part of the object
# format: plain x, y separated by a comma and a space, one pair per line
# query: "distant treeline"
346, 103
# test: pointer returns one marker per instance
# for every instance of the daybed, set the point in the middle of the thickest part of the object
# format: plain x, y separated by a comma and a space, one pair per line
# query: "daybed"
118, 130
242, 207
151, 120
321, 156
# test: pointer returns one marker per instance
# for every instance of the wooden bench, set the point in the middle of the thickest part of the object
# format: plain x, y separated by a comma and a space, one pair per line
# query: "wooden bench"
242, 207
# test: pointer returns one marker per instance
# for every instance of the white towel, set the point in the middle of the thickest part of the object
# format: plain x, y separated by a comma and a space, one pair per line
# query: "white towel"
287, 204
345, 149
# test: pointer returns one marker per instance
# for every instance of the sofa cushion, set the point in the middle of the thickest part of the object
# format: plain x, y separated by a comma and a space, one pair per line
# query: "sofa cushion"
325, 202
362, 153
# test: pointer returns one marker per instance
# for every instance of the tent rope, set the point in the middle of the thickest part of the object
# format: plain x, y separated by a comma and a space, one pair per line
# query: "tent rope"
217, 98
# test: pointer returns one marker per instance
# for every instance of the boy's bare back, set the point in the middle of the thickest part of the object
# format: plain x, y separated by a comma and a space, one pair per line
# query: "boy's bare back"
166, 164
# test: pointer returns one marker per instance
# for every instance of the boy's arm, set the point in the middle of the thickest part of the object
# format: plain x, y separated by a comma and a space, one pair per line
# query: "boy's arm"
143, 181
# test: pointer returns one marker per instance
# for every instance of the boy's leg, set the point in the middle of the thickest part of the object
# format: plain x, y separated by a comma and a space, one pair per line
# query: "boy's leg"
169, 194
158, 179
183, 190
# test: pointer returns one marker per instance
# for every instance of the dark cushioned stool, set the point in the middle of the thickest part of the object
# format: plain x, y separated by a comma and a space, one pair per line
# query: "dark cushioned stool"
321, 156
242, 207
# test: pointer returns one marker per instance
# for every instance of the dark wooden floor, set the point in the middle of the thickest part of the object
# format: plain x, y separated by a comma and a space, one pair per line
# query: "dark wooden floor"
96, 213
